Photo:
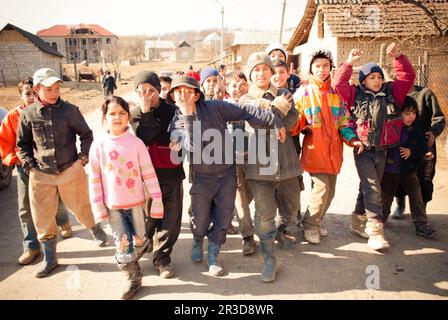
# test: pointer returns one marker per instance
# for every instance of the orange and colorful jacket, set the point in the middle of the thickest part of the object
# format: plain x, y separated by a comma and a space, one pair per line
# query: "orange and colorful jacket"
327, 119
8, 136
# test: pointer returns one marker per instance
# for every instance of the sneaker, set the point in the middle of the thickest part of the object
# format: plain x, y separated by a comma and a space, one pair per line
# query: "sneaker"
422, 229
323, 232
358, 225
312, 236
28, 256
66, 230
248, 246
166, 271
232, 229
216, 270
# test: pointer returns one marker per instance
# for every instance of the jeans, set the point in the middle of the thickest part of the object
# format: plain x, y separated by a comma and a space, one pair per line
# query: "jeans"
30, 241
243, 198
370, 166
270, 195
128, 229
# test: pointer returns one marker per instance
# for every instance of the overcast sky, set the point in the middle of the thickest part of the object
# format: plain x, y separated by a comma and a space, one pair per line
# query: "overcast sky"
151, 17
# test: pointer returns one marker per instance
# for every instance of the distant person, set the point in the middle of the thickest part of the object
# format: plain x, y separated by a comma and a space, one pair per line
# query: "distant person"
120, 172
211, 86
278, 51
46, 143
109, 84
8, 139
165, 85
193, 74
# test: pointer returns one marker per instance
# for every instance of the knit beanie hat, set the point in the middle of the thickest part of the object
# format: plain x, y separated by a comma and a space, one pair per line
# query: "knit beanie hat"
257, 58
276, 46
369, 68
183, 80
208, 72
322, 54
147, 77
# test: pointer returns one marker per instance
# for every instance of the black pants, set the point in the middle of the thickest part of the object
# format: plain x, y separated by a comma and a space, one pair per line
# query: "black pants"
165, 231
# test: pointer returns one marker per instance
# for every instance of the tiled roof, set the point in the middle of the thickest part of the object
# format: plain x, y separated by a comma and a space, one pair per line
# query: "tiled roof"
363, 18
41, 44
63, 30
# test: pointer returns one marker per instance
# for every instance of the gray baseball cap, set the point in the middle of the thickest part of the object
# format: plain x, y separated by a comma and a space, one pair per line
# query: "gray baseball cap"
46, 76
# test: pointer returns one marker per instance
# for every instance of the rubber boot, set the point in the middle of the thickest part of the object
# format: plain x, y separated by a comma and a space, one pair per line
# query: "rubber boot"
399, 211
50, 260
270, 263
98, 235
196, 249
284, 242
133, 274
213, 267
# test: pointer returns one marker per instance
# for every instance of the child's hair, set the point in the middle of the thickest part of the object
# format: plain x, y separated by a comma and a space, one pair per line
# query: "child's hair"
241, 75
409, 105
117, 100
25, 83
222, 67
166, 79
280, 63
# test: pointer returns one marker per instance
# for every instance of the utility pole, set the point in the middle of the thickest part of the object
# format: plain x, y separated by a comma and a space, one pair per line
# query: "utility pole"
222, 29
281, 23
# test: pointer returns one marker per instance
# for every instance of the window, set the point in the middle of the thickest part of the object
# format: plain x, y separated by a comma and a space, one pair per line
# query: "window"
108, 41
84, 42
93, 41
86, 55
54, 45
69, 42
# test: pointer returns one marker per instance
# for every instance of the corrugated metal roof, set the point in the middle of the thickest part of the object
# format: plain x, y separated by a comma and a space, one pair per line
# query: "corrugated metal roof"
41, 44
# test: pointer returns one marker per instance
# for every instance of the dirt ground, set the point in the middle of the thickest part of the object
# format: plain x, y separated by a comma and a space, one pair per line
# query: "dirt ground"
340, 267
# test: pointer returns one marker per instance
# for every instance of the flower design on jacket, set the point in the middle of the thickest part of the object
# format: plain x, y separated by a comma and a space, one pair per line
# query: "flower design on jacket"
135, 173
130, 183
118, 181
130, 164
113, 155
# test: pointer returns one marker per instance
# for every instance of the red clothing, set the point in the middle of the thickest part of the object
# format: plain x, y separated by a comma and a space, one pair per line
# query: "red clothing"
8, 136
195, 75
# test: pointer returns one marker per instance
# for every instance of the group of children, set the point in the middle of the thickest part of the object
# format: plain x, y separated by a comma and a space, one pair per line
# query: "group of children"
135, 179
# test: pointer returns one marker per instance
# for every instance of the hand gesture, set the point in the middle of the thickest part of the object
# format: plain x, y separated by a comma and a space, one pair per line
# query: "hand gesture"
186, 101
281, 134
358, 145
354, 56
149, 100
392, 50
405, 153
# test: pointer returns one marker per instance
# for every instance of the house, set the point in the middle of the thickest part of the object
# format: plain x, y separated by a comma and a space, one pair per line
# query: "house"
247, 42
212, 43
89, 42
22, 53
345, 24
184, 52
160, 49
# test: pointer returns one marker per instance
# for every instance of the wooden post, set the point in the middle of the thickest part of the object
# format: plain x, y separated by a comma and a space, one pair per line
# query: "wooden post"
382, 54
3, 78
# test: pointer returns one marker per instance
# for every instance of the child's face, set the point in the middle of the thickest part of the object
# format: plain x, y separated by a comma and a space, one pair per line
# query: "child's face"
48, 94
27, 95
183, 94
373, 81
233, 90
165, 88
408, 117
261, 76
116, 119
280, 77
277, 54
209, 85
147, 93
321, 68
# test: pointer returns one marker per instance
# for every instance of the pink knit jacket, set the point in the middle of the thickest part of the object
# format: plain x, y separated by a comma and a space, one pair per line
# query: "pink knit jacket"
120, 169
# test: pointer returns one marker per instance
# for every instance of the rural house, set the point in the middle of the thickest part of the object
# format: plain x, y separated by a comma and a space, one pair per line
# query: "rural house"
160, 49
184, 52
340, 25
81, 42
22, 53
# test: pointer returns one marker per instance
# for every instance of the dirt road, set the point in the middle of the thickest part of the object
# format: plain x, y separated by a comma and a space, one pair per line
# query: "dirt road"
341, 267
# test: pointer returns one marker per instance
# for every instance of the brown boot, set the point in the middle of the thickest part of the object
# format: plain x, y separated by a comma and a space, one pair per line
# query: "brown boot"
28, 256
358, 225
66, 230
133, 274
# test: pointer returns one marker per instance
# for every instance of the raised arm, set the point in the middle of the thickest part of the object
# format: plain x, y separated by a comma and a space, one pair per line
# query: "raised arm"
404, 73
340, 82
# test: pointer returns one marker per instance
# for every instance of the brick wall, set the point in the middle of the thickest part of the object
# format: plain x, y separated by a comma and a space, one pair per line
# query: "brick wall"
20, 58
